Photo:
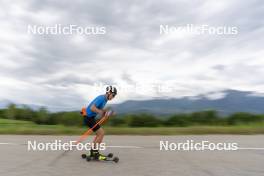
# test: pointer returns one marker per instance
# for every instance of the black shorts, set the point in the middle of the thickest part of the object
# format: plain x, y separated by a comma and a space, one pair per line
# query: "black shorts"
91, 122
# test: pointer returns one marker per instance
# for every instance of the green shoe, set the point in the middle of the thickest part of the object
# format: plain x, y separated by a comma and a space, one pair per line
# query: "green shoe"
102, 157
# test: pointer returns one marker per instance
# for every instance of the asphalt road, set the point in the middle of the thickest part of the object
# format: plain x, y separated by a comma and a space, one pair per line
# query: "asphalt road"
16, 160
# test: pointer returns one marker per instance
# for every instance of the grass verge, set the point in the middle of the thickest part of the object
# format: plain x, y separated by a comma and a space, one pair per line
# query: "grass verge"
25, 127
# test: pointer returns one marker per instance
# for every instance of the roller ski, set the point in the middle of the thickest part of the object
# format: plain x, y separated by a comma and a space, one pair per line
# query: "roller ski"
95, 155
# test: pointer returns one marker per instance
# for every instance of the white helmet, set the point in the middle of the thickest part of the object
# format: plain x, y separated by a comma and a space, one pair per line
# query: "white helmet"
111, 89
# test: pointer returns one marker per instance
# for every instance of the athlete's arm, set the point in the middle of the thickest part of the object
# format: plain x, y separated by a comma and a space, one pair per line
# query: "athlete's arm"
96, 110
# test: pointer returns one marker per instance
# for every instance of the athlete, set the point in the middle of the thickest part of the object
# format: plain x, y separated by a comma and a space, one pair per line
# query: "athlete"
93, 109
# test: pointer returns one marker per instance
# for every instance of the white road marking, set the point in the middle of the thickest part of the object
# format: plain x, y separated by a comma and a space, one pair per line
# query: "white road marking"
5, 143
120, 146
250, 148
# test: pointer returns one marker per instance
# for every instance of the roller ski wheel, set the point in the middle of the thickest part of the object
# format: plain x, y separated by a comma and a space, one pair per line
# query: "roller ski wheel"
88, 158
110, 155
84, 156
116, 159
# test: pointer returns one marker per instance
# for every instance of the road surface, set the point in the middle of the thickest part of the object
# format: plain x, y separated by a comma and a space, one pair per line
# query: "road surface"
139, 155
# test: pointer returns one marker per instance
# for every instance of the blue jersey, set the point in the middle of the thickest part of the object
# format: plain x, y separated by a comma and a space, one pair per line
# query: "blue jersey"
99, 102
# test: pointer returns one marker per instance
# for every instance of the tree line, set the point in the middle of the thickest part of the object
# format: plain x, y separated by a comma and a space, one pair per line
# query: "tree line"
209, 117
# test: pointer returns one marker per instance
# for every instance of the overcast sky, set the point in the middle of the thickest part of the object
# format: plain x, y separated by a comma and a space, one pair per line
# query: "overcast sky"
62, 70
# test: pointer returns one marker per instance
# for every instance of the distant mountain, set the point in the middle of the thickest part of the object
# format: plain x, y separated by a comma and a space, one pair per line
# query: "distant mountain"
232, 101
4, 103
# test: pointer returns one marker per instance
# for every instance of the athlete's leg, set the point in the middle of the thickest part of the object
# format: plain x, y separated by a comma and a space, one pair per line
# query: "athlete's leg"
95, 139
99, 136
96, 143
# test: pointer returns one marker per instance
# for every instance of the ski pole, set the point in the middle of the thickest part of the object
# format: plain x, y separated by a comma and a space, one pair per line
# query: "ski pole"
90, 130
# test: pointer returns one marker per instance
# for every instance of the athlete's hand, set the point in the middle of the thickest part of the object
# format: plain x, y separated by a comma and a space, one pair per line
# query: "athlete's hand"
102, 112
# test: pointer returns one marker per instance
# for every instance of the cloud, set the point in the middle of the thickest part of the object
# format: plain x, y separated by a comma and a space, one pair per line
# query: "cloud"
62, 70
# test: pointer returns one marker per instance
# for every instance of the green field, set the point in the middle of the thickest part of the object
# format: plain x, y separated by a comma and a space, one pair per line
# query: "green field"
26, 127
